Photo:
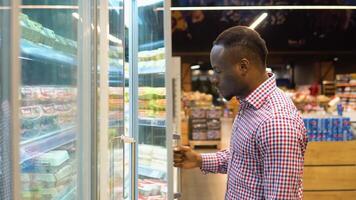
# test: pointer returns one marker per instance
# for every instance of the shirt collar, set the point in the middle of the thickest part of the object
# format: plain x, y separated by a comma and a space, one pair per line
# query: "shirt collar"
260, 94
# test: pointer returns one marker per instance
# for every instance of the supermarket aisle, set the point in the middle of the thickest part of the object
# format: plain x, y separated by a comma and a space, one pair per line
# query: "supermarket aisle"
197, 186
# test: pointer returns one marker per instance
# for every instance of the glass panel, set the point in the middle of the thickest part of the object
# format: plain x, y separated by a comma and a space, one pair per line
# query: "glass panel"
116, 97
48, 97
152, 152
5, 165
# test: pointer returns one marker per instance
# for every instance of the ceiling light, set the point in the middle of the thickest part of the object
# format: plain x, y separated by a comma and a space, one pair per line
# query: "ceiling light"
195, 67
283, 7
258, 20
75, 15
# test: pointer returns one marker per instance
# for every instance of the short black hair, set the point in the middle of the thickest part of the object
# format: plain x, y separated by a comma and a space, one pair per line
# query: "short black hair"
245, 38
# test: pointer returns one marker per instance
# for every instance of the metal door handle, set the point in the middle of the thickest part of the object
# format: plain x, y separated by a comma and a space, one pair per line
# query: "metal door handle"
128, 140
132, 142
177, 195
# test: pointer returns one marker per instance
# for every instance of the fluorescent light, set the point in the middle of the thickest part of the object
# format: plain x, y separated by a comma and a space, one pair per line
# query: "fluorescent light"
142, 3
114, 39
258, 20
75, 15
25, 58
285, 7
195, 67
110, 37
53, 7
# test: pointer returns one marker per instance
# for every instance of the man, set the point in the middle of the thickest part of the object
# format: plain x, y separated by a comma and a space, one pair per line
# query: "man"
266, 155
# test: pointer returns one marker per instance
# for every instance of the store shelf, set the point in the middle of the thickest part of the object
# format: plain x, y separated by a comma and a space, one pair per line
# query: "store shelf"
351, 96
34, 147
150, 172
346, 85
69, 194
145, 121
45, 52
152, 70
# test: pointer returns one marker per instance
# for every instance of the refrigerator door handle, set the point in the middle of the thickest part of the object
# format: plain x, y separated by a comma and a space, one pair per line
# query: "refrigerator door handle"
132, 142
177, 195
128, 140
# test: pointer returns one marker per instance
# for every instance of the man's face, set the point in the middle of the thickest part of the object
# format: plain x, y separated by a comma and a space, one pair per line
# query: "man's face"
227, 73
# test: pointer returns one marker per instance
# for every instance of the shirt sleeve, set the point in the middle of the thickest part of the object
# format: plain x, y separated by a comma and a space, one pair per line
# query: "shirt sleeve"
215, 162
282, 145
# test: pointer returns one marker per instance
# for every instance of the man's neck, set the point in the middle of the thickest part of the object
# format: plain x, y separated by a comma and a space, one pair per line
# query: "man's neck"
259, 80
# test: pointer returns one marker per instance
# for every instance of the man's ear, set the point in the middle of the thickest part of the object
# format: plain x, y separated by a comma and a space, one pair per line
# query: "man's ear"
244, 66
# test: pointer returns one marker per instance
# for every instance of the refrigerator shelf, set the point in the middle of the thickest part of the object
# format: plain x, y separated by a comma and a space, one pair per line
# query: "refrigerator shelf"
151, 172
45, 52
145, 121
37, 146
159, 69
68, 194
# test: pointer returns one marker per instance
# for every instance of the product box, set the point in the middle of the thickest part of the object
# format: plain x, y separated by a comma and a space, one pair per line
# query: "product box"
313, 125
213, 134
214, 124
199, 135
214, 113
198, 113
336, 128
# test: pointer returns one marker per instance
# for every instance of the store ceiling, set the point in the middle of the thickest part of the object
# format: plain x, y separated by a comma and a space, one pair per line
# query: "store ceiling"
315, 31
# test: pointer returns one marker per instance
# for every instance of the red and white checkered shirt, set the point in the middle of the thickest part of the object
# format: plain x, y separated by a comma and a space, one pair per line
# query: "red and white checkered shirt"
266, 155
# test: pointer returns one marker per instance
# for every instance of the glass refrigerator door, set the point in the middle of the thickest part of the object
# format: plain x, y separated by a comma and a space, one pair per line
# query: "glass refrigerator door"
5, 93
48, 99
115, 44
152, 149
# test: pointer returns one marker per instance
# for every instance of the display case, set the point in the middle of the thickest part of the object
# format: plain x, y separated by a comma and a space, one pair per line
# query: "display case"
152, 103
6, 150
48, 102
89, 95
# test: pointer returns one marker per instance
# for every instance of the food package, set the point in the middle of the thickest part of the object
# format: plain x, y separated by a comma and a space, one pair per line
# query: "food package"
213, 113
213, 134
199, 135
198, 113
214, 124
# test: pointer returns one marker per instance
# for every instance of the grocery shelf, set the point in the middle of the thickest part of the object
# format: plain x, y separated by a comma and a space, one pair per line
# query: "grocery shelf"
352, 96
34, 147
152, 69
346, 85
150, 172
45, 52
69, 193
157, 122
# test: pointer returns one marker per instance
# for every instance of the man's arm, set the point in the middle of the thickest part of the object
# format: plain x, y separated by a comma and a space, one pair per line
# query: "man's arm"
215, 162
282, 145
186, 158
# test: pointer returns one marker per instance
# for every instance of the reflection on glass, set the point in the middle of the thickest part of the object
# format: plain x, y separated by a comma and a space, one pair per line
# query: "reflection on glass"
116, 97
48, 97
152, 152
5, 170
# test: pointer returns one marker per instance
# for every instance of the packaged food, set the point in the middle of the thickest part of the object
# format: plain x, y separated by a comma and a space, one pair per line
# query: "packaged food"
199, 135
213, 113
198, 113
213, 134
214, 124
48, 109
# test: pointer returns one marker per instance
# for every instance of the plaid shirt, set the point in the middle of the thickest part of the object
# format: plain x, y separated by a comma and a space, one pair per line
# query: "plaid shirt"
266, 155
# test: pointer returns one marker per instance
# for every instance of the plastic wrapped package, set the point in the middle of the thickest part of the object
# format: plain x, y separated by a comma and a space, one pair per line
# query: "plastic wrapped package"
214, 113
199, 135
213, 134
198, 113
214, 124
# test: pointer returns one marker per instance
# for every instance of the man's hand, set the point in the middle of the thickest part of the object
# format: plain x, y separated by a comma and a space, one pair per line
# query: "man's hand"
186, 158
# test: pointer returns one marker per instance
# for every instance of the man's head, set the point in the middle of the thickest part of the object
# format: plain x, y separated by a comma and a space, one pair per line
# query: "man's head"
238, 58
